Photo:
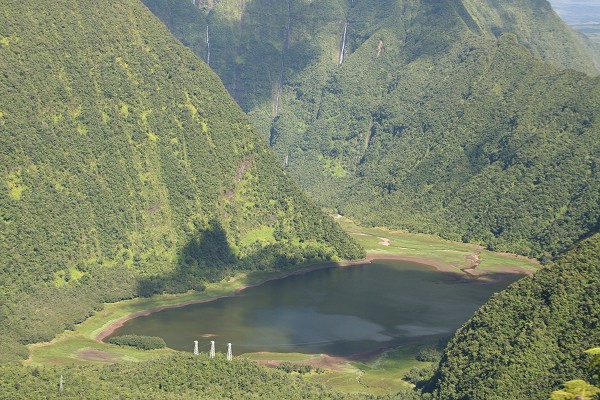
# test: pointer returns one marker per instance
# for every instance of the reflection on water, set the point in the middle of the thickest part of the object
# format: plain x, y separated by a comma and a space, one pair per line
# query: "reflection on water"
339, 311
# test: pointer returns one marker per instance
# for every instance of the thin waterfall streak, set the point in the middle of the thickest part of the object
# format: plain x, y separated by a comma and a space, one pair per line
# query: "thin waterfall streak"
207, 47
343, 43
276, 103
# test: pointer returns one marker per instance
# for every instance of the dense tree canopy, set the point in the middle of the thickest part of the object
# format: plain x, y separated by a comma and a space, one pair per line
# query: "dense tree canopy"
127, 170
175, 377
529, 339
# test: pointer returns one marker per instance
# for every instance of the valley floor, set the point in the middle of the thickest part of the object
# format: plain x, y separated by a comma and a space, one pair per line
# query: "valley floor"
376, 374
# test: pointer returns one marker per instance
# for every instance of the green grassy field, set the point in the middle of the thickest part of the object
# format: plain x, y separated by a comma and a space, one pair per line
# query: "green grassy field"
433, 250
381, 375
591, 30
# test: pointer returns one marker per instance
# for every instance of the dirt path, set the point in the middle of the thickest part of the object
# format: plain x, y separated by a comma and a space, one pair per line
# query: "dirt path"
384, 241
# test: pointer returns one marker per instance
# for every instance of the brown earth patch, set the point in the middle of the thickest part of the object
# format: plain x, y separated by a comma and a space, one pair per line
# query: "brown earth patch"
384, 241
474, 260
243, 166
95, 355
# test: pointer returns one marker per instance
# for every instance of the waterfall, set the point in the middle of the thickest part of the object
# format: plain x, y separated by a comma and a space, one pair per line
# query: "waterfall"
207, 47
276, 102
343, 43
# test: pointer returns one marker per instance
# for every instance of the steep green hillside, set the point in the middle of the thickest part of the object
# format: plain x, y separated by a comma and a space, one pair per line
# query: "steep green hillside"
529, 339
441, 118
126, 170
497, 149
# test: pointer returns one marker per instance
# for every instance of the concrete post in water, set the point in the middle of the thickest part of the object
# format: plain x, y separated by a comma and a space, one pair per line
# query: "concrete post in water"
229, 355
196, 352
212, 349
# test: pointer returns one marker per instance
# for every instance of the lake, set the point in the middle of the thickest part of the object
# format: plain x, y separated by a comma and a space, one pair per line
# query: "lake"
339, 311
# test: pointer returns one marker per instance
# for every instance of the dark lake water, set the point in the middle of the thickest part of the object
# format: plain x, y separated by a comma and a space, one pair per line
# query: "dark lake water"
340, 311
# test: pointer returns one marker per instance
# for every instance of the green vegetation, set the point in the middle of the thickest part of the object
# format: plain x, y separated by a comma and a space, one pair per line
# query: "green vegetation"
441, 119
175, 377
72, 346
576, 390
530, 338
429, 249
127, 170
382, 376
487, 154
290, 367
139, 342
595, 364
581, 390
263, 48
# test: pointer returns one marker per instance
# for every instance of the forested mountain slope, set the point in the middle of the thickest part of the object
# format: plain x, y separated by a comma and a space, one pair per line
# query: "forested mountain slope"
126, 169
441, 117
530, 338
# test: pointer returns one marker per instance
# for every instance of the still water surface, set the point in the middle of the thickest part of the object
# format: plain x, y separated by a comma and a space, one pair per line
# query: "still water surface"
339, 311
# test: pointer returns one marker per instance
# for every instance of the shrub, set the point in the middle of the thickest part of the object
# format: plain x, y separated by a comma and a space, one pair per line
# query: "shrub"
139, 342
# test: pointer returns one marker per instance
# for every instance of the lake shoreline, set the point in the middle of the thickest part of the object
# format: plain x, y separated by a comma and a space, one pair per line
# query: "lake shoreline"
236, 293
463, 274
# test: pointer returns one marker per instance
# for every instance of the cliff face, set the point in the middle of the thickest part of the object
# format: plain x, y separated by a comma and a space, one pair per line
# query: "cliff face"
255, 43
